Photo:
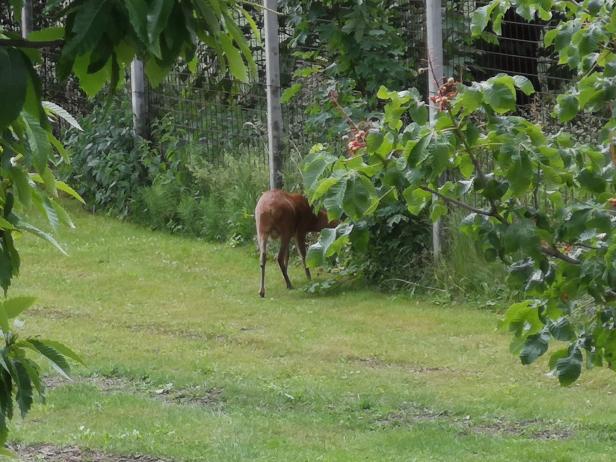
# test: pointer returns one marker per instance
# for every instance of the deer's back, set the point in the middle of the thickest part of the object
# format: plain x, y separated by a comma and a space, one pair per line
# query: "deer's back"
280, 213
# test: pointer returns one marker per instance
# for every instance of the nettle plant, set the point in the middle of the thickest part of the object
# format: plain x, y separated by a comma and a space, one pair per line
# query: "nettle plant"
96, 41
542, 204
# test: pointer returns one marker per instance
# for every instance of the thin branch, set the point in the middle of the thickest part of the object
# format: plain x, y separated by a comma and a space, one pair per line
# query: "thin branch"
486, 213
22, 43
552, 251
334, 99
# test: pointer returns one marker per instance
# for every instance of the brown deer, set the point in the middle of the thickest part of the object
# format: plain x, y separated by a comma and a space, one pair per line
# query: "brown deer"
285, 215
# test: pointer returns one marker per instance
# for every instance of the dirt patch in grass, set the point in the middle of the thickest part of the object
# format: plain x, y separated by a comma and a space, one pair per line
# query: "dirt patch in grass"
50, 312
51, 453
200, 396
531, 429
168, 331
374, 362
196, 395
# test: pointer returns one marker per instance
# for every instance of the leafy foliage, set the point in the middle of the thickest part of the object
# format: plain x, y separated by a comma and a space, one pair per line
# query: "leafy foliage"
363, 38
108, 164
97, 41
561, 256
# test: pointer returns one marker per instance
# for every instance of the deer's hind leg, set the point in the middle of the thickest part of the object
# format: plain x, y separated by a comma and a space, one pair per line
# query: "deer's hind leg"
283, 259
262, 260
300, 240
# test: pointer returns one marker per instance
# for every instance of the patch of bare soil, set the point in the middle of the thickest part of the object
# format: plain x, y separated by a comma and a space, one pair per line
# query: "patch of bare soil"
531, 429
375, 362
51, 453
200, 396
196, 395
50, 312
159, 329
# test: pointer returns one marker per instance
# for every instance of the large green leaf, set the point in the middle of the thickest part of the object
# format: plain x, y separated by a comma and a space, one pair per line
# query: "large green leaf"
566, 365
40, 147
234, 58
23, 383
499, 93
416, 199
535, 346
14, 79
57, 360
358, 197
55, 109
13, 307
567, 107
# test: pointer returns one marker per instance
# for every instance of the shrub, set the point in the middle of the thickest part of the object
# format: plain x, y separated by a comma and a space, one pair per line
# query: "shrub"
108, 165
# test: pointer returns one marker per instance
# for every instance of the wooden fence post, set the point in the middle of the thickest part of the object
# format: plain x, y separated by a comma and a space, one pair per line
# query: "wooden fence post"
139, 99
274, 110
434, 28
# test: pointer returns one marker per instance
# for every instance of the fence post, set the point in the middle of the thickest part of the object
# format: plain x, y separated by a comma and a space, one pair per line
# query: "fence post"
274, 110
26, 18
139, 99
434, 28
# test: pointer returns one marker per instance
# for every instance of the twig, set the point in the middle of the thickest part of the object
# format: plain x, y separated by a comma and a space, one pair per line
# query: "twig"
333, 97
487, 213
552, 251
414, 284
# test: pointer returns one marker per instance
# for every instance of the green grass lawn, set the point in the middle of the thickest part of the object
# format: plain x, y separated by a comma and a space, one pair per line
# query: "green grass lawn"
186, 362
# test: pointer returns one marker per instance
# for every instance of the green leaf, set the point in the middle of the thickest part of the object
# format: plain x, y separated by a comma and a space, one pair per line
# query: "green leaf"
4, 321
417, 152
62, 186
234, 59
416, 199
157, 18
27, 227
57, 360
314, 167
62, 113
567, 107
523, 319
62, 349
21, 184
520, 174
480, 20
562, 330
499, 94
469, 99
40, 147
534, 347
24, 387
289, 93
524, 84
358, 196
566, 365
591, 181
316, 252
15, 306
14, 78
322, 188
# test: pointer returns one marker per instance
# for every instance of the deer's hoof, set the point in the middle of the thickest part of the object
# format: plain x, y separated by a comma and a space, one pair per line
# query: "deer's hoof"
262, 294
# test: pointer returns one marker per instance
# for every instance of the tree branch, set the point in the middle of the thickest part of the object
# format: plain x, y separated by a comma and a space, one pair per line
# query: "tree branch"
487, 213
552, 251
22, 43
458, 132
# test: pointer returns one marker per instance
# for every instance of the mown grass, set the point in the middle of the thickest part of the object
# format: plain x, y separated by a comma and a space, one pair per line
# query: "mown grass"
355, 376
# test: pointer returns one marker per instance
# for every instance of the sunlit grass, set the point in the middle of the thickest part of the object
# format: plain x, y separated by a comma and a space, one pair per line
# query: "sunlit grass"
355, 376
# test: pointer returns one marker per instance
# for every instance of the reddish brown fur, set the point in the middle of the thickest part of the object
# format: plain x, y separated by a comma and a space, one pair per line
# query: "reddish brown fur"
283, 215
